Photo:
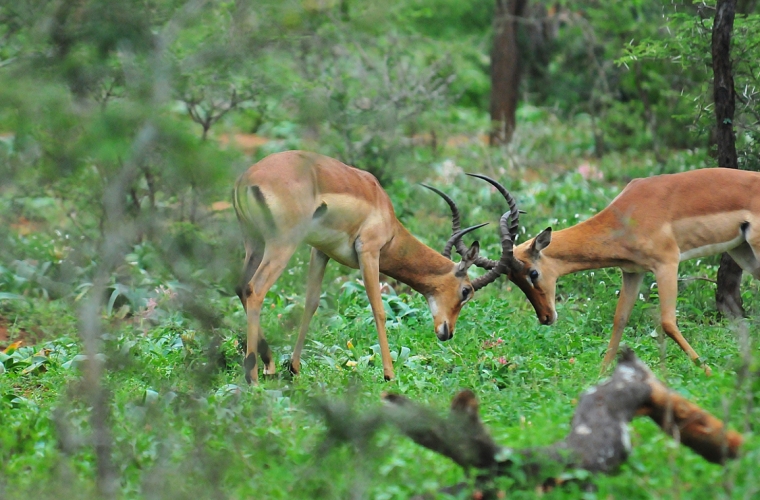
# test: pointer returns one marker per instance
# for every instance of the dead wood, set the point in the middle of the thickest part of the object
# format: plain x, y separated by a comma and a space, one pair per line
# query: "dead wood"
461, 435
693, 426
598, 440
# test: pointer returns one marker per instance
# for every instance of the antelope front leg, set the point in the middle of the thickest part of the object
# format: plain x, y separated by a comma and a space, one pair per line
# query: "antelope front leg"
629, 291
667, 284
370, 267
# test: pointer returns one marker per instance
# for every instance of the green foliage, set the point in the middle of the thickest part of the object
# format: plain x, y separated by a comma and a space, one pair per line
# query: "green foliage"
204, 432
687, 46
634, 107
111, 124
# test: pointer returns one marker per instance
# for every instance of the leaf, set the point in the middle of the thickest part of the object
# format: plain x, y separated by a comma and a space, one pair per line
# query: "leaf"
149, 397
17, 402
10, 296
118, 289
75, 361
13, 347
122, 312
404, 354
176, 343
84, 288
229, 390
111, 301
36, 363
330, 361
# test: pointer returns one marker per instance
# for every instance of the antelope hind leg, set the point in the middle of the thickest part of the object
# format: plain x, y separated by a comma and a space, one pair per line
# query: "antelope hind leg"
272, 264
317, 266
667, 284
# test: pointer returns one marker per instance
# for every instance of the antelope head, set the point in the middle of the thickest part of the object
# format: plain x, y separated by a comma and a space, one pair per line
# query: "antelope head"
508, 264
537, 275
453, 289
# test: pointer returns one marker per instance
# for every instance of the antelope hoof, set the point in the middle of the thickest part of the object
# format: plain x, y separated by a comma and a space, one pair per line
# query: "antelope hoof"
387, 377
708, 371
698, 361
249, 365
604, 369
295, 369
270, 368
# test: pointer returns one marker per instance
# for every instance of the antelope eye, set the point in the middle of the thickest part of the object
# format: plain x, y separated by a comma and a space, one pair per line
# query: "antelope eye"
466, 291
533, 275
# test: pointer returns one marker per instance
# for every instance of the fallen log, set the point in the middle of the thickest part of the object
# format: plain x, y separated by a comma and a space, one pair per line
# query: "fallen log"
598, 441
690, 424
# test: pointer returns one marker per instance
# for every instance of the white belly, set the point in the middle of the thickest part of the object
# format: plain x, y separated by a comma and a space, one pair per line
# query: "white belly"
712, 249
336, 244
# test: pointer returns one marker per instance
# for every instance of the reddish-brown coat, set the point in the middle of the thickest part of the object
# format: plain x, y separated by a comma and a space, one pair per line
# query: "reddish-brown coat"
652, 225
344, 214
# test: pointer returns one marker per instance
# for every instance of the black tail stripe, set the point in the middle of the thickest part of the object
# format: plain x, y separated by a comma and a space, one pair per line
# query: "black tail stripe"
261, 200
320, 211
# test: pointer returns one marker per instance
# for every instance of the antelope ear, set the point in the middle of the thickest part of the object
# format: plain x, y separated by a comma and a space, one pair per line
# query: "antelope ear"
472, 253
468, 258
541, 241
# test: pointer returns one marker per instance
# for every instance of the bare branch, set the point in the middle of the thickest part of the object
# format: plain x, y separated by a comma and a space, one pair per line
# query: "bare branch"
598, 440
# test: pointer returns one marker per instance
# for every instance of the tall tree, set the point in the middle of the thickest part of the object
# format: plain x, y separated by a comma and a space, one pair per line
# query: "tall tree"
728, 294
505, 70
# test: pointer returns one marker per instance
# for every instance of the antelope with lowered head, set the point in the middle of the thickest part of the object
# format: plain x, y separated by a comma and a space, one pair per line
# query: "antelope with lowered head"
651, 226
343, 213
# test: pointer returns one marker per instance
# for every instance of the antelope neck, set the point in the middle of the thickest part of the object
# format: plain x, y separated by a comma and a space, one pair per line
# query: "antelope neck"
410, 261
588, 245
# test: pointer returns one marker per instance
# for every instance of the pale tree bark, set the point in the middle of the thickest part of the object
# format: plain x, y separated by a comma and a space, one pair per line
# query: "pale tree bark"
598, 441
728, 294
505, 70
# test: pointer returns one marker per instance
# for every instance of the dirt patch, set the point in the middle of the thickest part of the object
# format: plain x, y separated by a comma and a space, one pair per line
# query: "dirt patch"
6, 338
247, 143
24, 226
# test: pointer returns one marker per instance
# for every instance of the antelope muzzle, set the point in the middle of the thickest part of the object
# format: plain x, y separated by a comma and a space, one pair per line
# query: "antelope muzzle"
443, 332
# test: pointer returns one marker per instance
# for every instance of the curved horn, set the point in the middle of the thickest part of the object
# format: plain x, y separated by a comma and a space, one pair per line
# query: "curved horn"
507, 260
457, 237
455, 217
514, 212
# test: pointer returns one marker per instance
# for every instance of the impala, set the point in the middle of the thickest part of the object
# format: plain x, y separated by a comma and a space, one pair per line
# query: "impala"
343, 213
651, 226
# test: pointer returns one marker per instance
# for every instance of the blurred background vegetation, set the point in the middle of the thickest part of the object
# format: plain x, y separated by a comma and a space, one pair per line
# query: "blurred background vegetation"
124, 124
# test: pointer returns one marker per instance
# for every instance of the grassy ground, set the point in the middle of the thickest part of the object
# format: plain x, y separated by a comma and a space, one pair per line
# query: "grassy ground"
181, 428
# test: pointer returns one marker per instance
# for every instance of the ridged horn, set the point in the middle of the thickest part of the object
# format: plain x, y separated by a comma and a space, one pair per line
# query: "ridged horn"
514, 212
455, 217
457, 237
507, 260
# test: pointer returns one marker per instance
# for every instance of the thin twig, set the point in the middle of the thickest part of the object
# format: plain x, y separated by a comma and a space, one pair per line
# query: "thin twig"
697, 278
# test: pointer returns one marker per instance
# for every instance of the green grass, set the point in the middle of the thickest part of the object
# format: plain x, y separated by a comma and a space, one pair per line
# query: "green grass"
183, 430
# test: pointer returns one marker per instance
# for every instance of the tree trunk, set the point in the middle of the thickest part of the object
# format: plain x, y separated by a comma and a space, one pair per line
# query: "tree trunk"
505, 70
727, 297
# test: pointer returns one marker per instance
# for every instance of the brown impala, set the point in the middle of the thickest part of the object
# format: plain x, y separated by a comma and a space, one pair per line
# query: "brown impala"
651, 226
343, 213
